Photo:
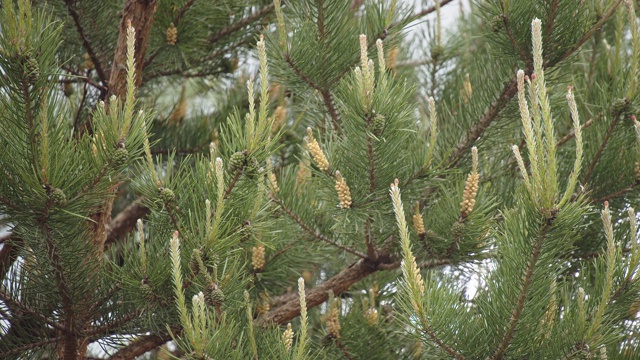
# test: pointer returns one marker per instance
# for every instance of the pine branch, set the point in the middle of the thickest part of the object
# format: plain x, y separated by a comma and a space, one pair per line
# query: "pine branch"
598, 154
34, 345
17, 309
82, 77
510, 90
181, 151
73, 12
524, 291
8, 253
70, 342
327, 97
587, 35
516, 45
240, 24
423, 12
143, 344
176, 20
344, 350
616, 194
313, 233
441, 344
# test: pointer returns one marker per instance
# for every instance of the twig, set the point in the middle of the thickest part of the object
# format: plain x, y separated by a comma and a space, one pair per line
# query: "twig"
313, 233
509, 90
526, 284
182, 151
84, 98
16, 306
37, 344
241, 24
516, 45
143, 344
327, 98
572, 133
73, 12
343, 348
616, 193
587, 35
603, 144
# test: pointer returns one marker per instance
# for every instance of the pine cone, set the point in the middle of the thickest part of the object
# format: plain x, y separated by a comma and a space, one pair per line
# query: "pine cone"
58, 197
377, 124
237, 161
214, 296
457, 230
120, 157
620, 107
31, 68
497, 23
167, 195
146, 291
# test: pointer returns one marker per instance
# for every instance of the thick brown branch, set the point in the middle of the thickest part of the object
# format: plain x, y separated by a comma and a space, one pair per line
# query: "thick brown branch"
141, 345
316, 296
287, 306
73, 12
141, 14
125, 221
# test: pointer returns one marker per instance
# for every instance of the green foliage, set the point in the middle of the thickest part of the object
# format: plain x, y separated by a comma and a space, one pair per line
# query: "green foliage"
249, 158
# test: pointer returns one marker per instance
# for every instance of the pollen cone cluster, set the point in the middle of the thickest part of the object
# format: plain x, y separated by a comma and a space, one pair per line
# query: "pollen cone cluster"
469, 196
332, 320
287, 337
316, 152
263, 304
418, 222
344, 194
257, 259
171, 34
470, 187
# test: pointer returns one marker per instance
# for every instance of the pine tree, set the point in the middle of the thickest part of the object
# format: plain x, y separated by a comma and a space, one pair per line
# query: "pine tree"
314, 179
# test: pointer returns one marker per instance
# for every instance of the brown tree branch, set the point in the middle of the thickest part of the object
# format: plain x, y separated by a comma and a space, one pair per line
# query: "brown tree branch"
316, 296
125, 221
510, 90
73, 12
314, 233
143, 344
240, 24
327, 97
524, 291
140, 14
